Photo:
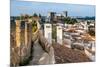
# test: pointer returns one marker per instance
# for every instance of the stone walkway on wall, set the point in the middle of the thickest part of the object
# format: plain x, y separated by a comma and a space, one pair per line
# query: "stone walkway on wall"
37, 53
40, 56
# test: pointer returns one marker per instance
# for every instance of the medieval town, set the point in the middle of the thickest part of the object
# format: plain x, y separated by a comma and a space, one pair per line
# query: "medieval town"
52, 39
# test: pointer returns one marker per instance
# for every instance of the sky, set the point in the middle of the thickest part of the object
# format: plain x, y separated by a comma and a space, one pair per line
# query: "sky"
31, 7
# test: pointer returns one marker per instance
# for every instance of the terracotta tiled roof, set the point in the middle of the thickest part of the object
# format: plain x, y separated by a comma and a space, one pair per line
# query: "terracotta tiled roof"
87, 37
71, 30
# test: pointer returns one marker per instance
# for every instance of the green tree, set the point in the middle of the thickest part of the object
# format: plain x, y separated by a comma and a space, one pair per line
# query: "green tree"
88, 22
18, 18
26, 16
40, 15
35, 15
69, 20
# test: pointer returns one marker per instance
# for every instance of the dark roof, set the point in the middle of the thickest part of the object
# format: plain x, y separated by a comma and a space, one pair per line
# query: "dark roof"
68, 55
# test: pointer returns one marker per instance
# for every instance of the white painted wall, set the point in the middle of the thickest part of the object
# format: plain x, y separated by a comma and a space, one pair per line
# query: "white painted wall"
59, 35
48, 32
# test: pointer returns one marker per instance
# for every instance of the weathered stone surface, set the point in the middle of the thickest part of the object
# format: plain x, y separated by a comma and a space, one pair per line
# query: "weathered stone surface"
43, 42
38, 52
20, 52
51, 56
40, 56
36, 47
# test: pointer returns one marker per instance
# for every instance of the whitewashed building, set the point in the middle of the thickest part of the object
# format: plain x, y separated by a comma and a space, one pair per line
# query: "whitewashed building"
48, 32
59, 34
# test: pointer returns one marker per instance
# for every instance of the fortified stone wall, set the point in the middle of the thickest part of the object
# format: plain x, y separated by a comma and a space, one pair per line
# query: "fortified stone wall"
20, 42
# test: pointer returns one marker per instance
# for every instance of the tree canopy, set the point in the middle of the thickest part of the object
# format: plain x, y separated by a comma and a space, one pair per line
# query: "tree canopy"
35, 15
69, 20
